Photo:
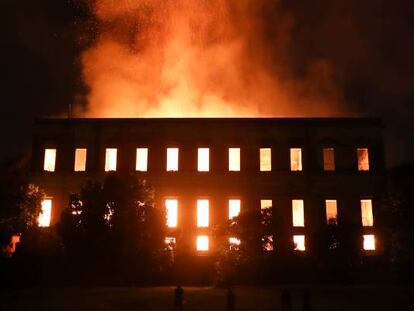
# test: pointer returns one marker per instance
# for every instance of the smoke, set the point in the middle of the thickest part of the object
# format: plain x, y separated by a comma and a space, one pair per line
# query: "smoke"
201, 58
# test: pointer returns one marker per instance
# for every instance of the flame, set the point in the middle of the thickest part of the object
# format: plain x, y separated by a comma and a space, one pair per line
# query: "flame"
198, 58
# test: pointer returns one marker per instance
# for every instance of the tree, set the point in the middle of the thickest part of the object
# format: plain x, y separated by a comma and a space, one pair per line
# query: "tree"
20, 201
396, 223
115, 227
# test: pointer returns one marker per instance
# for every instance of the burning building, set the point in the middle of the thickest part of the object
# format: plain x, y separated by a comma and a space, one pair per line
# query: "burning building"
207, 170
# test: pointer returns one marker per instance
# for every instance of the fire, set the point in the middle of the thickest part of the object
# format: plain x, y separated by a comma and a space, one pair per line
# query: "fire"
192, 58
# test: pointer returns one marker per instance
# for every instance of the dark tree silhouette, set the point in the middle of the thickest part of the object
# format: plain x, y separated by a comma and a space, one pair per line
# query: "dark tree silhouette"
20, 200
395, 223
114, 229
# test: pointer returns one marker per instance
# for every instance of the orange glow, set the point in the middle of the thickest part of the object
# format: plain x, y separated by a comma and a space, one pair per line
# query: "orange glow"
295, 159
234, 159
363, 159
234, 241
234, 208
141, 164
298, 213
80, 160
203, 160
172, 159
268, 243
265, 204
328, 159
202, 213
265, 159
331, 211
202, 243
366, 213
195, 59
369, 242
171, 206
170, 243
299, 241
49, 160
110, 159
45, 214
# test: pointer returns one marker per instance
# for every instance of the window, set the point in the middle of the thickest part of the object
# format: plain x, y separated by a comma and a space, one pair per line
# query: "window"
141, 164
171, 206
46, 213
234, 159
267, 242
363, 159
172, 159
297, 213
170, 243
110, 159
234, 241
299, 241
203, 160
49, 160
328, 159
366, 213
202, 213
265, 159
80, 160
369, 242
331, 211
295, 159
264, 204
202, 243
234, 208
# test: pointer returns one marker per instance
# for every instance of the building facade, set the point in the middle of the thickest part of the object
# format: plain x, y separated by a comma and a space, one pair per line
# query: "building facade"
205, 171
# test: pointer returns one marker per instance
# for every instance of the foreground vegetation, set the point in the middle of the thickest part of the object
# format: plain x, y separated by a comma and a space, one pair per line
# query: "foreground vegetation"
207, 298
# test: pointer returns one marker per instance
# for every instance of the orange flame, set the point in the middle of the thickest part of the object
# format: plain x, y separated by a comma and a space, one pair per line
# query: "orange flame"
200, 58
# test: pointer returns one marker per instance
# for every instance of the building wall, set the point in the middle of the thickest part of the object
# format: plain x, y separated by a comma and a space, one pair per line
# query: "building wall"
346, 184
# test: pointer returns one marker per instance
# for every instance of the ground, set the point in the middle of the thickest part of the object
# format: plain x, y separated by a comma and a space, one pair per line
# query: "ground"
207, 298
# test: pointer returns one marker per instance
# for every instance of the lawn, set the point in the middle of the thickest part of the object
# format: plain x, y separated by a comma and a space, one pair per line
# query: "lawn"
207, 298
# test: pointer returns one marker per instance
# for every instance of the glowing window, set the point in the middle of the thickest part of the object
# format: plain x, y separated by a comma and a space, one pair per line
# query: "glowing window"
50, 160
110, 159
328, 159
297, 213
299, 241
203, 160
141, 164
267, 242
202, 243
265, 159
80, 160
234, 159
172, 159
234, 208
369, 242
46, 213
202, 213
366, 213
264, 204
295, 159
234, 242
171, 206
363, 159
170, 243
331, 211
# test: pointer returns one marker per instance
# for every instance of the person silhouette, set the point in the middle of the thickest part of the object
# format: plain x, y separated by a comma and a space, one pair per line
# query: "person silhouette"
306, 300
231, 299
178, 298
286, 300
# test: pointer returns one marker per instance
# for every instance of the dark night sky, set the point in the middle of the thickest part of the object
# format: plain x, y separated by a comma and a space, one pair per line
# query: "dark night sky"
370, 44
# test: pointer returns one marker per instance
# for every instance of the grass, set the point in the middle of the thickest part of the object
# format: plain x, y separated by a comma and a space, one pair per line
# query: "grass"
207, 298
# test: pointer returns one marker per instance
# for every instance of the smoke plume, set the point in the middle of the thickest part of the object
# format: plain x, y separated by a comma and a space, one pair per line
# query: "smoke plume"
202, 58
